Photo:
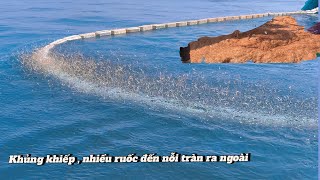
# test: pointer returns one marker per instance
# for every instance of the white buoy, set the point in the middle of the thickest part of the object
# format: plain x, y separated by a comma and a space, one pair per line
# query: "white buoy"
133, 29
118, 31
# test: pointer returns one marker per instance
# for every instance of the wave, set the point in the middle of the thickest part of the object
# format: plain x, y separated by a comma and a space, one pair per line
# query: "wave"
187, 93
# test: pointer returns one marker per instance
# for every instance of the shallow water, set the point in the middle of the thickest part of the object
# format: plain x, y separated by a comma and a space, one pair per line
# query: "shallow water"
132, 94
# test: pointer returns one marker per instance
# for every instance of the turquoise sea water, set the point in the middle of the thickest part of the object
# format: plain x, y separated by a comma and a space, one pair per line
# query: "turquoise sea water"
132, 94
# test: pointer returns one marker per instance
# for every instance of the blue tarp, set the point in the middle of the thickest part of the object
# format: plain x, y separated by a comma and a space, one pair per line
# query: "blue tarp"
310, 4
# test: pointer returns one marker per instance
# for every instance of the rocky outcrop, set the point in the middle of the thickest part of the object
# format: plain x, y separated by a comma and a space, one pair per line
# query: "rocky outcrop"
280, 40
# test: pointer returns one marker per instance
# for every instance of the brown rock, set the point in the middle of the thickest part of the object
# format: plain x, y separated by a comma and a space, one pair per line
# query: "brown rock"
280, 40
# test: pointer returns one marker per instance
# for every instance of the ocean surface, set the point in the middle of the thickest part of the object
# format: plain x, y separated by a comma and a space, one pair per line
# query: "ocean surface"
131, 94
